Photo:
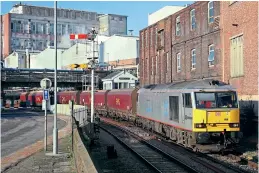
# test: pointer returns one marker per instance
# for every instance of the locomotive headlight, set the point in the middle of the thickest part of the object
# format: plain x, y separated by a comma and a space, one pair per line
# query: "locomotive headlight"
234, 125
200, 125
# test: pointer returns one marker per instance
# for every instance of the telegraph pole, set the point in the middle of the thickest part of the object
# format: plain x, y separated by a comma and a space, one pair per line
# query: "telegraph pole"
55, 130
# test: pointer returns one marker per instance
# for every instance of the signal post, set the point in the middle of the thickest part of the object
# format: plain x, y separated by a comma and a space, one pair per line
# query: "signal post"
92, 63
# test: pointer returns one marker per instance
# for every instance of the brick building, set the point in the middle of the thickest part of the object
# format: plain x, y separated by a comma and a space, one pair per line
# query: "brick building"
206, 39
239, 37
182, 46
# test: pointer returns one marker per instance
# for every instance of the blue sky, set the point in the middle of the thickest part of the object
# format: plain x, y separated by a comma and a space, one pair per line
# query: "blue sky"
137, 12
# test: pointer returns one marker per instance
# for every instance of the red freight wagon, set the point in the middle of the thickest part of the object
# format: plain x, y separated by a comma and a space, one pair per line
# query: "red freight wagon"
24, 98
99, 100
31, 98
38, 98
65, 96
122, 102
85, 98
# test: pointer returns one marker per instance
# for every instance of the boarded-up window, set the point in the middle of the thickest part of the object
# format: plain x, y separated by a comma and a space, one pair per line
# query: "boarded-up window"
174, 108
162, 38
236, 56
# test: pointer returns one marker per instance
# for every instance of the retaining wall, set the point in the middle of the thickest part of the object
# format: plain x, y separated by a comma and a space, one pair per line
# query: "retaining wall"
83, 161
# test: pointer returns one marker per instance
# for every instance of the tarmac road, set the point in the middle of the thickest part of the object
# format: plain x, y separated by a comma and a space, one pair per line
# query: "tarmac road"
22, 128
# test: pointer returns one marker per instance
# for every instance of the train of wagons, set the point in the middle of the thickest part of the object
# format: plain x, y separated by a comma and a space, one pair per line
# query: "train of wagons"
199, 114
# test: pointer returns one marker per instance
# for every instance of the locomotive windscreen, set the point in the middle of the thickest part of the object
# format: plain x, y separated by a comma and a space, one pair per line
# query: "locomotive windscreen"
216, 100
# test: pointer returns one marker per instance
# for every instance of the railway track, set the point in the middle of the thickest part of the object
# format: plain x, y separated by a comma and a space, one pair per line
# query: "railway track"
151, 155
196, 161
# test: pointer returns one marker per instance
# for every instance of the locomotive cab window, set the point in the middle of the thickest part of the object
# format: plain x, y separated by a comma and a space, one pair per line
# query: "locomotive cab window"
187, 100
216, 100
174, 108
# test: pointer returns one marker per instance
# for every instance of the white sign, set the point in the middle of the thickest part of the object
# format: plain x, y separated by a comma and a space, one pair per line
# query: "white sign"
45, 83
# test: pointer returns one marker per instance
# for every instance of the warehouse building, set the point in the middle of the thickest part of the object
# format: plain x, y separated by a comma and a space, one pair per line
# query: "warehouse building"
32, 27
122, 52
204, 40
182, 46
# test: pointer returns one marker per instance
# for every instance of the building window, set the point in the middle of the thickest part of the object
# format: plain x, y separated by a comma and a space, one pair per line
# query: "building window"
12, 26
162, 38
236, 56
178, 56
193, 58
211, 11
178, 26
156, 64
193, 20
146, 39
211, 55
33, 28
51, 28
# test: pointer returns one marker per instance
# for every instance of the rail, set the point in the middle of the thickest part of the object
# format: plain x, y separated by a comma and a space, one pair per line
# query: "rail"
151, 155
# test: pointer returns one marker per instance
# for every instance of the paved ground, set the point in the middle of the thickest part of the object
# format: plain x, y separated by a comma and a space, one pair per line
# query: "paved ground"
39, 162
20, 129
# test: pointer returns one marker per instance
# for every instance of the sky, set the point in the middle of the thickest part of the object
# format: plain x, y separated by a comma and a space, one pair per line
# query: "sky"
137, 11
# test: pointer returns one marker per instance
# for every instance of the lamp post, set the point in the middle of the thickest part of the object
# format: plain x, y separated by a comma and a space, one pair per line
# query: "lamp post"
55, 130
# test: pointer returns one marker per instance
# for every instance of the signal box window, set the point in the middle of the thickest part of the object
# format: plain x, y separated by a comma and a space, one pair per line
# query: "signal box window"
174, 108
187, 100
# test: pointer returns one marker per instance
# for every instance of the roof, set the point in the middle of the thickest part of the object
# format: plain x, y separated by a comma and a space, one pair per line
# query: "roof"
192, 84
112, 75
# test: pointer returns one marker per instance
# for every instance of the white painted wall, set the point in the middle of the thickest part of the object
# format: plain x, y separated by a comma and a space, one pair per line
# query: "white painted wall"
46, 59
162, 13
78, 53
15, 60
120, 48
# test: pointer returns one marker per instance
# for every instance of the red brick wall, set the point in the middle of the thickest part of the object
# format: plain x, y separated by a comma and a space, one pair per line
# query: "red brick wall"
204, 35
132, 61
7, 34
245, 14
